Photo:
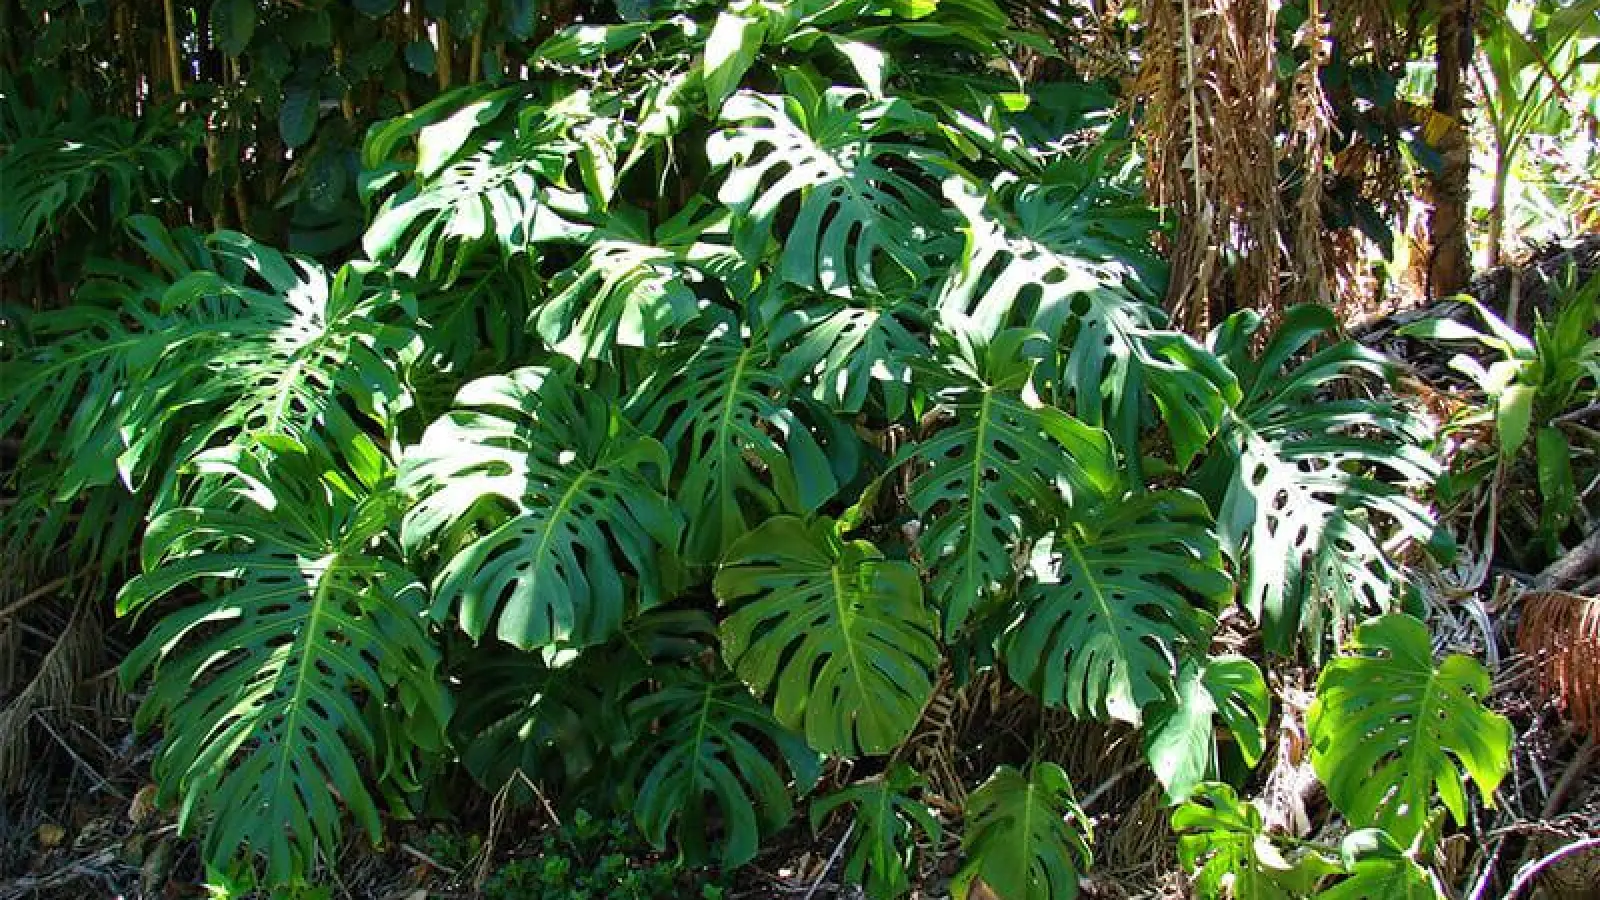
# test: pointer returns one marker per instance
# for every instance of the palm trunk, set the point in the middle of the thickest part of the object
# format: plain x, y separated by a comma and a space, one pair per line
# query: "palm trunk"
1449, 257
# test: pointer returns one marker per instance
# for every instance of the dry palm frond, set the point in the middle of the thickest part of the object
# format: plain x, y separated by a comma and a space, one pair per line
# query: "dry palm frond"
1209, 92
1560, 631
60, 671
1310, 119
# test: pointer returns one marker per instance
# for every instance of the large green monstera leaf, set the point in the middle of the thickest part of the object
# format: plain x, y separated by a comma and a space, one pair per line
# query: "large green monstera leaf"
268, 685
859, 217
836, 634
546, 508
844, 350
484, 177
706, 753
993, 475
1388, 728
1304, 479
1026, 838
1033, 260
1223, 841
630, 289
740, 453
559, 721
1101, 627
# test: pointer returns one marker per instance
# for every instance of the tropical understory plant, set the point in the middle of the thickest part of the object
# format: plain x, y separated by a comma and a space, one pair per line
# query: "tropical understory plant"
694, 410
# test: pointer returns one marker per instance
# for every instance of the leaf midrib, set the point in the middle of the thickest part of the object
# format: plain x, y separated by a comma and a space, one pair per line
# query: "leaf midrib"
287, 751
727, 501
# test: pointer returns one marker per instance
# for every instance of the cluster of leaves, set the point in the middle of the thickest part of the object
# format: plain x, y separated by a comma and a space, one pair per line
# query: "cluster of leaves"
589, 858
691, 409
1535, 395
1390, 730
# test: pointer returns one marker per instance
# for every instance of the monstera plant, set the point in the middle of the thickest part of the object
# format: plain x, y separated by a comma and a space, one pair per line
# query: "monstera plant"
698, 406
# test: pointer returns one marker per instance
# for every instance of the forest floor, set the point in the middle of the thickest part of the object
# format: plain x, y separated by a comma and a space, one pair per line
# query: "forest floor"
85, 825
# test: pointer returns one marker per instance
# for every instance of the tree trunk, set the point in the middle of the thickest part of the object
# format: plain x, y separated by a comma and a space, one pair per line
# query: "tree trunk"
1448, 255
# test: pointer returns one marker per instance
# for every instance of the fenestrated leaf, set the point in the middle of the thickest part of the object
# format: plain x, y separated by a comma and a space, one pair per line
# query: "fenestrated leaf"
1026, 836
887, 820
1101, 628
993, 475
1304, 480
844, 350
1225, 844
858, 215
501, 192
1180, 740
558, 721
276, 348
1380, 869
267, 689
705, 754
541, 500
740, 453
837, 635
628, 290
1035, 258
1388, 728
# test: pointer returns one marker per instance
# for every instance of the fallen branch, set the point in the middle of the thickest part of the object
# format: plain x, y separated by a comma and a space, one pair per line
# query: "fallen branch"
1527, 873
1572, 566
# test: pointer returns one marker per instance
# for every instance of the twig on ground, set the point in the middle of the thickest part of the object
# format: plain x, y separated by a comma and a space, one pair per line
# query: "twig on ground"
100, 780
832, 858
424, 858
1569, 779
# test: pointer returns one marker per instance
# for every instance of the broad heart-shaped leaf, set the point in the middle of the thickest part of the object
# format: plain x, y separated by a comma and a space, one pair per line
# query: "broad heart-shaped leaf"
740, 454
1026, 836
1031, 261
1303, 481
843, 350
705, 753
270, 685
1380, 869
1387, 722
859, 214
887, 820
1180, 739
1103, 624
1225, 844
837, 635
993, 476
542, 501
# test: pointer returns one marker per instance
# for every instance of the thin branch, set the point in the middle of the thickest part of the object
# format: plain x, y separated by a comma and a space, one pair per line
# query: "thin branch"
1531, 871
